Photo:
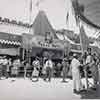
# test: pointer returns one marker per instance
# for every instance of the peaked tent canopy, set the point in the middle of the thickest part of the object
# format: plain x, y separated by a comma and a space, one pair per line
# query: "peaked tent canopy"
41, 25
84, 39
88, 11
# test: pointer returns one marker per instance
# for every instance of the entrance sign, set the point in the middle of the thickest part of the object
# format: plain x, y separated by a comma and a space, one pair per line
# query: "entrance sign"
48, 37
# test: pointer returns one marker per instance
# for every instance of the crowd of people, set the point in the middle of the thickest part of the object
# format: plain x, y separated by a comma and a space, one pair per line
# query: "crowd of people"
79, 66
90, 63
13, 67
8, 67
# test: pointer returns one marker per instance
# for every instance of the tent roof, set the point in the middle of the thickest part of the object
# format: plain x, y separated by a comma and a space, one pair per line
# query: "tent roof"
91, 14
41, 25
64, 37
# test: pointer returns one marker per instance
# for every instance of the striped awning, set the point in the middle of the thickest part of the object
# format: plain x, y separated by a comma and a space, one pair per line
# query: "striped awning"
10, 42
10, 39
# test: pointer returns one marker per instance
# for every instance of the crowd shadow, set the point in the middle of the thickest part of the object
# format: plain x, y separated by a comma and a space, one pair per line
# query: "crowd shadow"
91, 94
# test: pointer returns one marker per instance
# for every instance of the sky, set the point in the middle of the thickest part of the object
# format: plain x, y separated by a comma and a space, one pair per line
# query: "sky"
56, 11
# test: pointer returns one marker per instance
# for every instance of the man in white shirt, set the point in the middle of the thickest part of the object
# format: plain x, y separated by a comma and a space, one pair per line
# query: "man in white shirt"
77, 86
48, 67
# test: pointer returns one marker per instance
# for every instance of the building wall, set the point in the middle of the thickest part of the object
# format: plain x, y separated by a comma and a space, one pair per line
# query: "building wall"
14, 29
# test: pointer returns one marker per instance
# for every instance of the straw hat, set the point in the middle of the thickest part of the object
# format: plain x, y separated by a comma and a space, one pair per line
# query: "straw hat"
37, 57
74, 55
65, 59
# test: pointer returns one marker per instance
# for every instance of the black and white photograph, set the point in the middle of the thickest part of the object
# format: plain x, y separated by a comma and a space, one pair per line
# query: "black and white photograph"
49, 49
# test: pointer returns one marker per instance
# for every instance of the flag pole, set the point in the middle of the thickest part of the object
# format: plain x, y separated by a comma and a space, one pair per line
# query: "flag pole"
67, 20
80, 26
85, 70
80, 37
30, 13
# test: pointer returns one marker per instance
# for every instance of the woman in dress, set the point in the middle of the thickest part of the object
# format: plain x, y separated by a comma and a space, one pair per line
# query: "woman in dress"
36, 66
16, 65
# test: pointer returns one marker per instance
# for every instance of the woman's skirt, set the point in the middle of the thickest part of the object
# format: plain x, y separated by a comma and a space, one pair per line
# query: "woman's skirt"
35, 72
14, 71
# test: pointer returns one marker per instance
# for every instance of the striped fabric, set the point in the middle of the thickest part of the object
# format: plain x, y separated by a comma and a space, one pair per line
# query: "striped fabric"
10, 42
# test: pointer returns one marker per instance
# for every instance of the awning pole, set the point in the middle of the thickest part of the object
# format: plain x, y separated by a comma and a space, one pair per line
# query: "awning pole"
30, 13
23, 55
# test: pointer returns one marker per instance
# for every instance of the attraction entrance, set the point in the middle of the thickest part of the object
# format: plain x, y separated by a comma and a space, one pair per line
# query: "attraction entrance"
44, 46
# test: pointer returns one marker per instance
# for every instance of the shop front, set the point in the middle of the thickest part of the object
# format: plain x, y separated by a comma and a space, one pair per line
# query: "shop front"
10, 44
43, 47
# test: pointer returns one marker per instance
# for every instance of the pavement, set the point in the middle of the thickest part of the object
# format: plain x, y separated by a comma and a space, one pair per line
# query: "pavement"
25, 89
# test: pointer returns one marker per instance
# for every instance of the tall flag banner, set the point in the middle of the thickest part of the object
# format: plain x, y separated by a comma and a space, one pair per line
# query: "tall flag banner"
84, 41
75, 8
38, 2
30, 6
30, 13
67, 17
77, 20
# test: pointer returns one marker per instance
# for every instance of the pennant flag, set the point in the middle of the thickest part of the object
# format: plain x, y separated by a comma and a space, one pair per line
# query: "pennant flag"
30, 6
77, 20
75, 10
84, 41
38, 2
67, 17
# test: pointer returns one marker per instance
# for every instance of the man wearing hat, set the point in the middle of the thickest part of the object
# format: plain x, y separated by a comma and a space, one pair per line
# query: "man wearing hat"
77, 86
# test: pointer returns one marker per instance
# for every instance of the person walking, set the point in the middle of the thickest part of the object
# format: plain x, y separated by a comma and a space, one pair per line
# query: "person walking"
5, 63
36, 68
65, 69
14, 69
48, 67
88, 66
99, 70
26, 66
94, 69
1, 67
8, 67
44, 68
58, 69
75, 64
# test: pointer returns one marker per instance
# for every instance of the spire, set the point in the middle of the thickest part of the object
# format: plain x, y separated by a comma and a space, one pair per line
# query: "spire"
41, 25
